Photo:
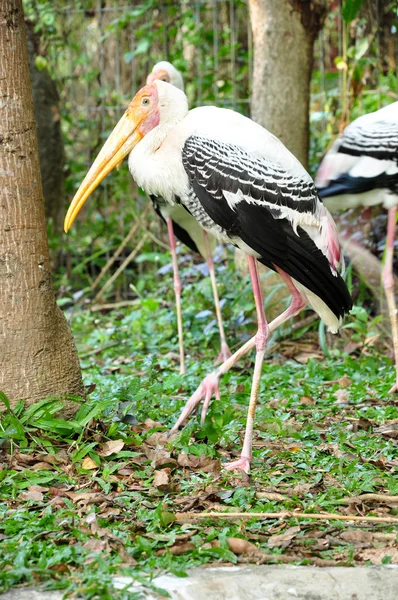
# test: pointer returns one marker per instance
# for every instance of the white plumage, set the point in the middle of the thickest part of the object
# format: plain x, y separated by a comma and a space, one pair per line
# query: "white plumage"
183, 226
284, 186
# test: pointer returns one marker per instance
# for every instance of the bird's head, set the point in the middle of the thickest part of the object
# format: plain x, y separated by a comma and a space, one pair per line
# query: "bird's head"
158, 104
165, 71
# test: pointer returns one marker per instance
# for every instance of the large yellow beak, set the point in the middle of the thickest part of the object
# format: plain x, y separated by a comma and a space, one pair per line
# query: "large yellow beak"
120, 143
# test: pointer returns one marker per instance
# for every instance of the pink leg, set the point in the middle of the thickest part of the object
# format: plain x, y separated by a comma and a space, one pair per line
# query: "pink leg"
177, 291
210, 385
388, 282
225, 351
261, 341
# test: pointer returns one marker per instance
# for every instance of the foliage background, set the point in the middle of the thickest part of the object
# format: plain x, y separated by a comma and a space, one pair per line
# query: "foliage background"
100, 54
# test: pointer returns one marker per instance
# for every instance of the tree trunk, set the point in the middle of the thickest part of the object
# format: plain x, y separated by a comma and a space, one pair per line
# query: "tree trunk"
37, 357
388, 39
284, 32
49, 135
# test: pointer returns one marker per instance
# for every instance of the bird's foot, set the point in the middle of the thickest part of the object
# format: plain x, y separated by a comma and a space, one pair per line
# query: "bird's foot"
242, 464
225, 353
205, 391
394, 388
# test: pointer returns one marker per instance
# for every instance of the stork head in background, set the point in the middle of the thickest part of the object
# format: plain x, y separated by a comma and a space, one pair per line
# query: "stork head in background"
165, 71
155, 105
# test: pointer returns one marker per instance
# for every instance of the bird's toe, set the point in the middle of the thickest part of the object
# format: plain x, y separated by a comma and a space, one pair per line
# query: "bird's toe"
243, 464
225, 354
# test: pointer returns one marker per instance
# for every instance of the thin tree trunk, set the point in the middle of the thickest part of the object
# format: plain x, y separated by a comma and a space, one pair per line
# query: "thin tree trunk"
49, 135
37, 357
284, 32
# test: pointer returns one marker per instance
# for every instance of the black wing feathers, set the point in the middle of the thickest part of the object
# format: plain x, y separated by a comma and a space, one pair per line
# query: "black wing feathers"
346, 184
258, 220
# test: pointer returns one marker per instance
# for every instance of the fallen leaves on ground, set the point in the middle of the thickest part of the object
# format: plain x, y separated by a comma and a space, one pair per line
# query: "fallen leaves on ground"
111, 447
89, 464
318, 447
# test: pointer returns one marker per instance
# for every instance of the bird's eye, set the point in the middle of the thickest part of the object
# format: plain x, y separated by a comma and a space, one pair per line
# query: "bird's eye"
145, 101
164, 79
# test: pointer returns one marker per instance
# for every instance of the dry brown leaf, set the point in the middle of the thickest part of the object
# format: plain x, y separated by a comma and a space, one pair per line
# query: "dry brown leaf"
342, 396
95, 545
54, 491
177, 549
162, 479
41, 466
344, 381
239, 546
389, 430
57, 501
283, 540
149, 424
304, 357
183, 459
112, 511
307, 400
87, 497
111, 447
31, 495
161, 462
273, 496
356, 535
127, 471
88, 464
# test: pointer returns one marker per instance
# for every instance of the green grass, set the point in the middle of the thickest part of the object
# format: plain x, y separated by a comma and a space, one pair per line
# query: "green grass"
317, 443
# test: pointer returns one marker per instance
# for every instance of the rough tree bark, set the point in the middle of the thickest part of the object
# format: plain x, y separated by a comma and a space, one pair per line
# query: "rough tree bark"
37, 357
284, 32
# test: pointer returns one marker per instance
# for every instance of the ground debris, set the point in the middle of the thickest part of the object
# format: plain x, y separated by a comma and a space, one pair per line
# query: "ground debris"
111, 447
284, 539
161, 481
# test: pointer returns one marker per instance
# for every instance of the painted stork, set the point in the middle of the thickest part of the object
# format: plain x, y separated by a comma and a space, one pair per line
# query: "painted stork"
182, 225
361, 169
241, 184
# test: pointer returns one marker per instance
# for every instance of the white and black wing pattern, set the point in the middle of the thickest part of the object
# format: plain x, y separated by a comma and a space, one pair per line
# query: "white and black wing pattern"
262, 207
377, 139
363, 159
